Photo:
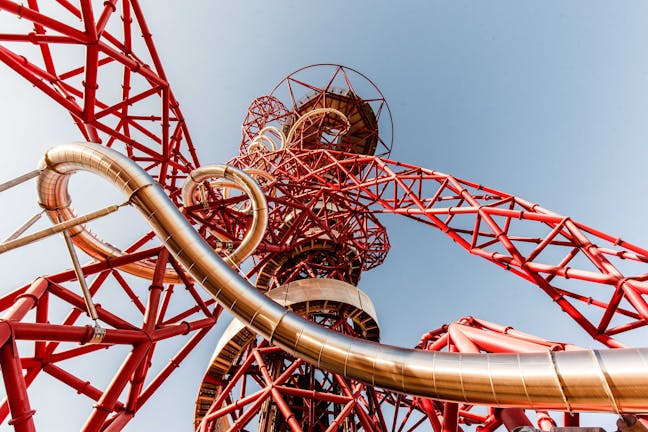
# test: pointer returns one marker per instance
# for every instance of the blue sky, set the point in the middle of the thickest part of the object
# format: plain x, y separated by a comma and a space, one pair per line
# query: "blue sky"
546, 100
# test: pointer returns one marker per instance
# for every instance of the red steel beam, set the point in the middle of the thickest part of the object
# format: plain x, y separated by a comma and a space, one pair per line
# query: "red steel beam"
108, 400
22, 415
436, 199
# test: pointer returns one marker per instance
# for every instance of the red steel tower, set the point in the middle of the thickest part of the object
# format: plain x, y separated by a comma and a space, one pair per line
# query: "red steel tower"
317, 243
295, 216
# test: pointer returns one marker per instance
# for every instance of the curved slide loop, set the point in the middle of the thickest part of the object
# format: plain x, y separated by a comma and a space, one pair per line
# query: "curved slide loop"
265, 135
55, 199
197, 190
276, 132
588, 380
257, 175
258, 145
240, 180
313, 113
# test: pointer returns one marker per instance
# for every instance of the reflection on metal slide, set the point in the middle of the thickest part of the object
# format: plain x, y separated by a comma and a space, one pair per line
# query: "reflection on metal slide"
609, 380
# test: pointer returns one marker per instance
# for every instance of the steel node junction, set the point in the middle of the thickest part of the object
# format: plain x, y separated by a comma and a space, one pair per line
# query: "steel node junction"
280, 236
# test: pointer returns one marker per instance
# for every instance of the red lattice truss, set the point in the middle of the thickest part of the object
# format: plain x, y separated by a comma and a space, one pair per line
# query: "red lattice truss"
561, 256
118, 94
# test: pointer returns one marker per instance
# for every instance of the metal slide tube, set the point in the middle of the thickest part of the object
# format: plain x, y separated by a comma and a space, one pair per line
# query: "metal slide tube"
588, 380
59, 209
259, 207
313, 113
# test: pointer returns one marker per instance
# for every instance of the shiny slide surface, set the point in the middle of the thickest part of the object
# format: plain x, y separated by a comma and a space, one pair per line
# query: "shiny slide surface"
588, 380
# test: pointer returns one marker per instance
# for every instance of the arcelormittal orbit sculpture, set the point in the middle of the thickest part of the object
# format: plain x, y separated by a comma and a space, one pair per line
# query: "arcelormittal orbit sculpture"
280, 237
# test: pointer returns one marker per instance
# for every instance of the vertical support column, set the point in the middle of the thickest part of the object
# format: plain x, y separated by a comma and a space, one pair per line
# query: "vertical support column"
21, 412
12, 375
450, 417
106, 404
148, 325
428, 406
514, 418
571, 419
155, 291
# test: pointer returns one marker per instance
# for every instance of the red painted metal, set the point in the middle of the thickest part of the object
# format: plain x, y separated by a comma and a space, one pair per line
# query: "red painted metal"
285, 392
139, 114
51, 357
561, 256
16, 388
326, 190
472, 335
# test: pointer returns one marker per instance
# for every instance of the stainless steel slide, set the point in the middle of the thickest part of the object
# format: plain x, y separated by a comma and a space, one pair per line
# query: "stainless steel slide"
588, 380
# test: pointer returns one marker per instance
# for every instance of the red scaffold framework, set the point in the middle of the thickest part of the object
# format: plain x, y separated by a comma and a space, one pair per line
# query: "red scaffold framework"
317, 146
